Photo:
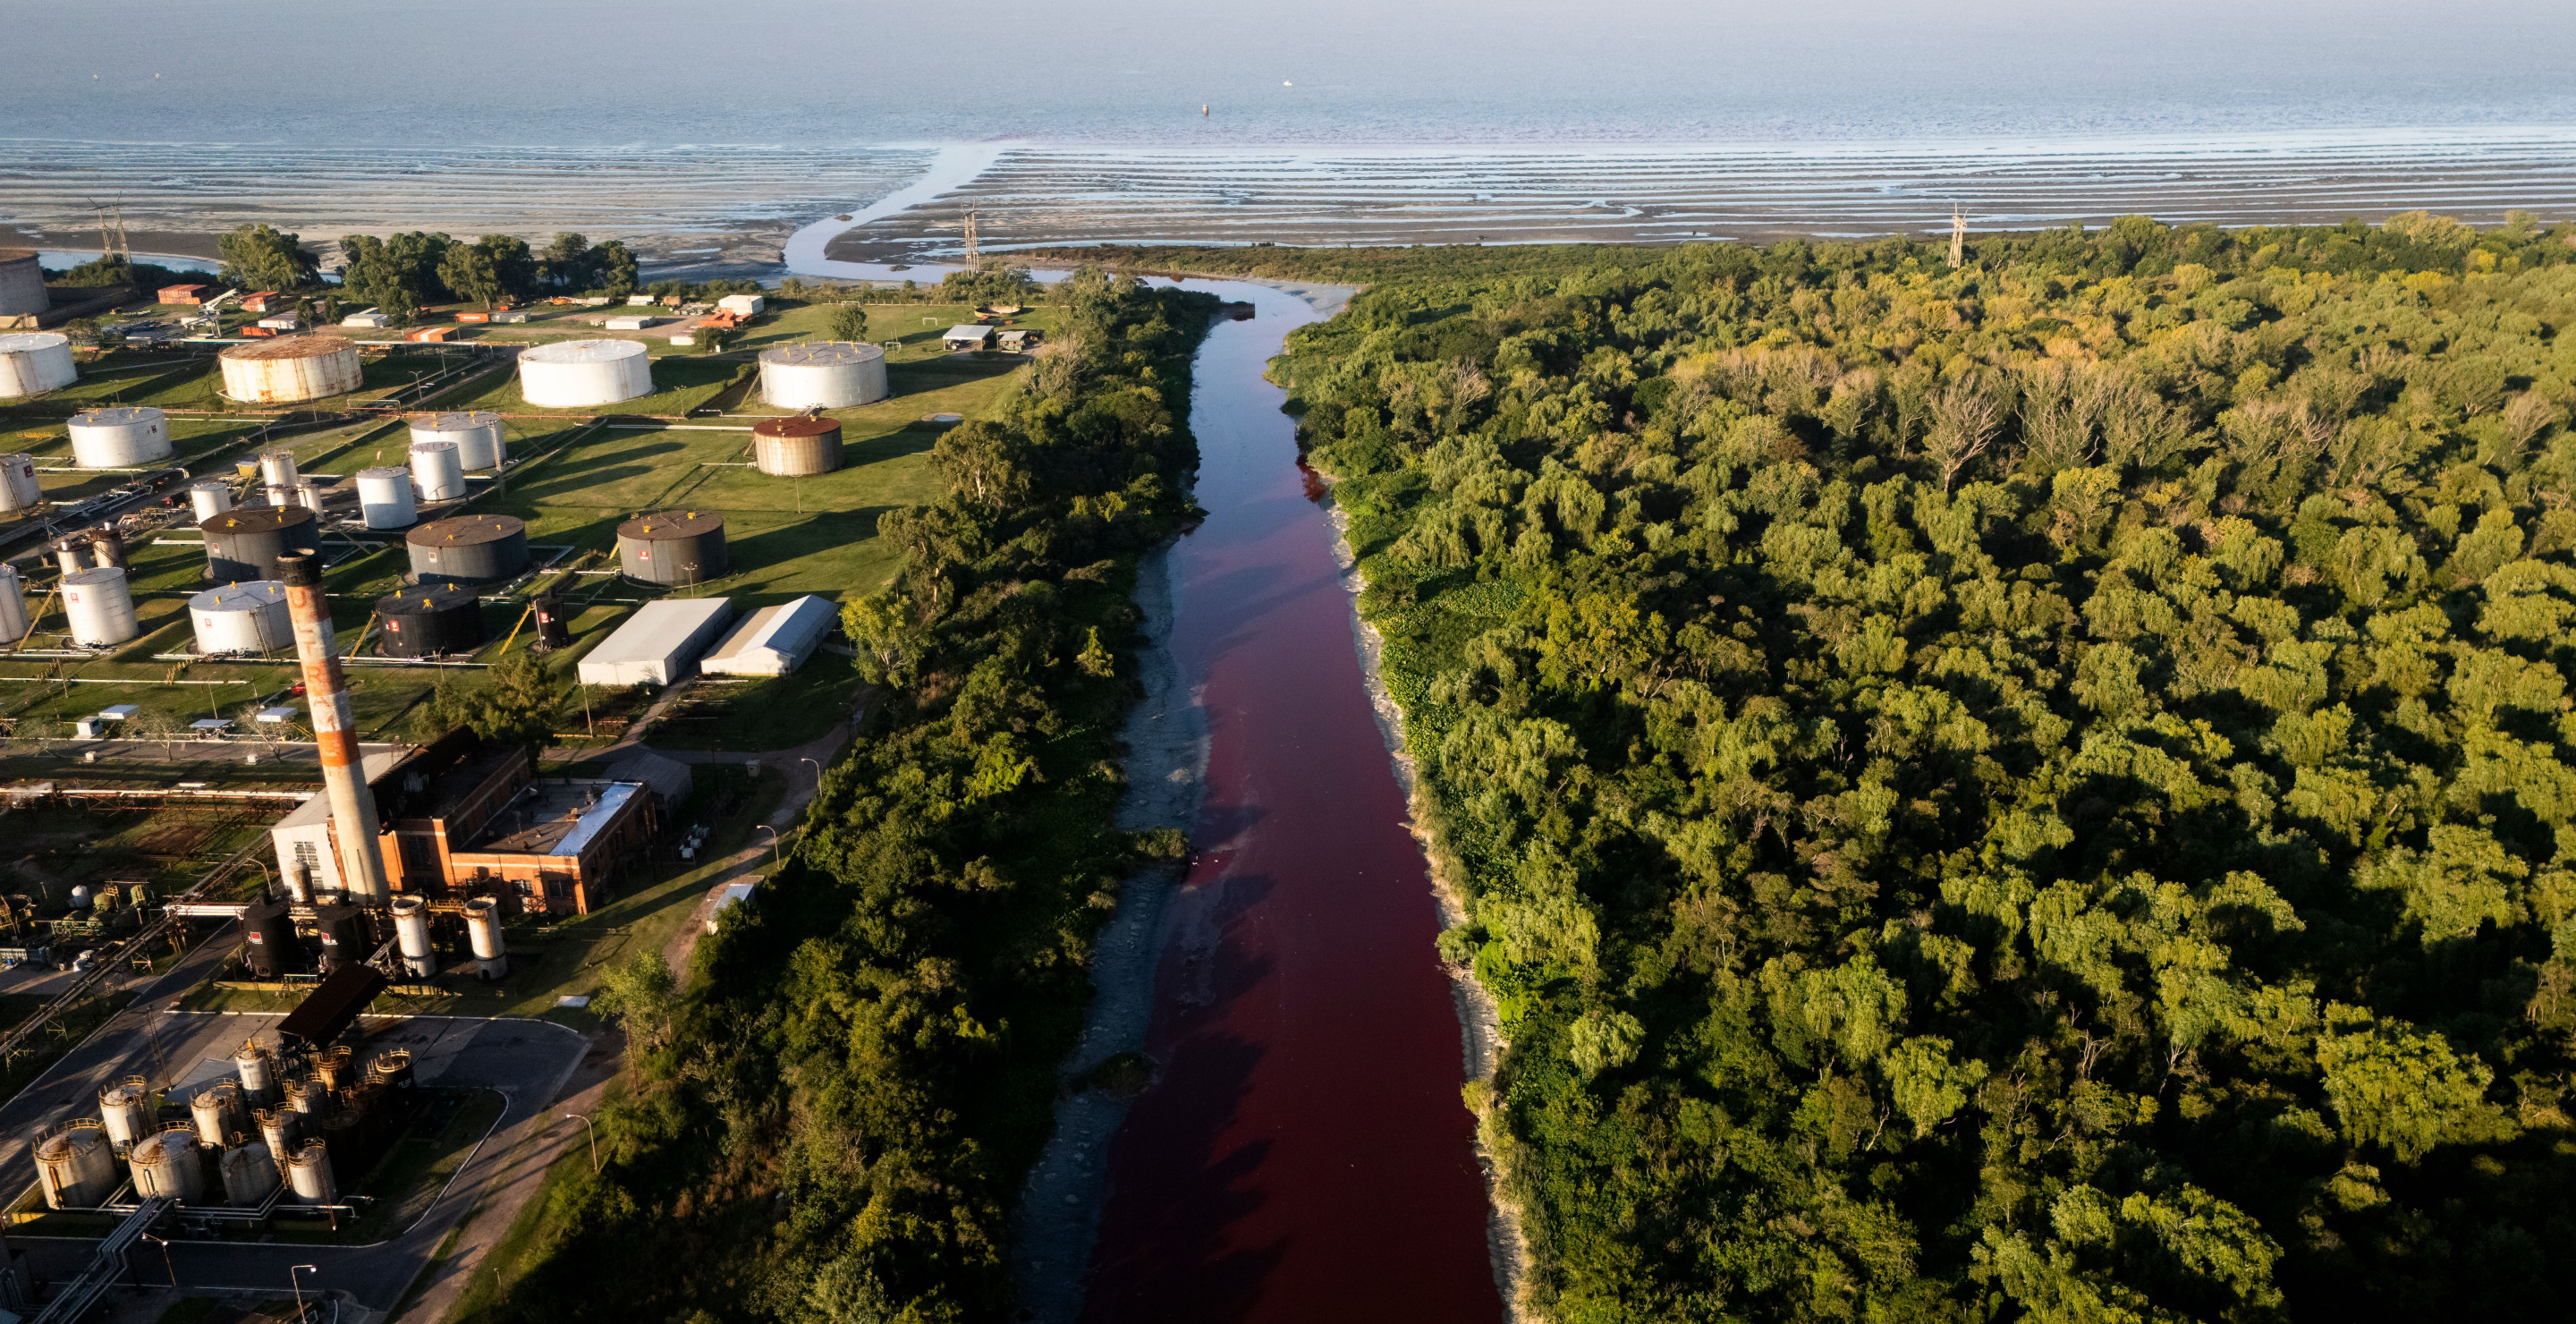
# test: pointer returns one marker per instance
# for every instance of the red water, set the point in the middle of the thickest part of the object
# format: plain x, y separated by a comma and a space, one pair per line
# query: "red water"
1303, 1155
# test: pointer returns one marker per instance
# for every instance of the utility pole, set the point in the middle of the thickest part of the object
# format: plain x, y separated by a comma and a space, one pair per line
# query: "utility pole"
971, 256
1958, 237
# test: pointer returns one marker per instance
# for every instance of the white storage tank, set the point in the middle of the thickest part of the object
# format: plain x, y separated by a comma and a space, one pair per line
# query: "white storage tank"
217, 1112
411, 931
258, 1073
832, 375
78, 1166
277, 468
166, 1164
239, 619
476, 436
127, 438
126, 1109
308, 1174
34, 362
483, 930
289, 369
101, 607
278, 1128
576, 374
436, 471
18, 487
13, 605
210, 498
384, 498
304, 493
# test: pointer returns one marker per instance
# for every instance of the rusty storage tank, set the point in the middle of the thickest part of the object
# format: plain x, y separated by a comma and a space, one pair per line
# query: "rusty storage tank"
391, 1069
77, 1165
343, 931
107, 547
126, 1109
469, 549
128, 437
430, 622
308, 1174
331, 1067
475, 434
71, 554
34, 362
674, 547
279, 1128
244, 544
833, 375
217, 1113
796, 447
18, 486
166, 1164
268, 939
289, 369
309, 1098
101, 607
249, 1174
22, 283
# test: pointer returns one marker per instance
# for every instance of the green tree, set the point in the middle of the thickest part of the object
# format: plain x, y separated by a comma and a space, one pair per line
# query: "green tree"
261, 257
516, 704
616, 269
715, 339
847, 321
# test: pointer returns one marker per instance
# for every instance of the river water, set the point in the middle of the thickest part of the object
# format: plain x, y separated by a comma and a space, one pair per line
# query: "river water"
1303, 1153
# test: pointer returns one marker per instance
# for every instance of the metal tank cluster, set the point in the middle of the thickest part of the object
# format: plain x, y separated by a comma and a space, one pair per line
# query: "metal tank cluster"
344, 934
292, 1130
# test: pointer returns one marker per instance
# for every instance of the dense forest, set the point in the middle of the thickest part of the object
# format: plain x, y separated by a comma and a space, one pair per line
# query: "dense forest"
831, 1125
2042, 790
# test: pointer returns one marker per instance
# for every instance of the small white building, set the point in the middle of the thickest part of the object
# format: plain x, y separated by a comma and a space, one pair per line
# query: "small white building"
513, 317
773, 640
968, 337
659, 644
743, 305
734, 894
639, 301
373, 319
281, 322
629, 323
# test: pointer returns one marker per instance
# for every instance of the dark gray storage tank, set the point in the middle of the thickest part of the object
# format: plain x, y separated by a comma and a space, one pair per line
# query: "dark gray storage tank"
269, 933
797, 446
426, 622
343, 930
243, 544
554, 621
675, 547
469, 549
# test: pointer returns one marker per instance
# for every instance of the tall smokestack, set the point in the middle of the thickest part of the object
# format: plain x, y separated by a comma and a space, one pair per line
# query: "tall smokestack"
344, 772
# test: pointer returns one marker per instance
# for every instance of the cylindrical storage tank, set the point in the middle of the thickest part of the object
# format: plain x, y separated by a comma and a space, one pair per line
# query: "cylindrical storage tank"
268, 939
279, 494
277, 468
308, 1174
210, 498
483, 929
258, 1072
72, 555
244, 544
77, 1166
126, 438
216, 1112
796, 447
101, 608
476, 435
343, 932
126, 1109
299, 882
411, 934
249, 1174
391, 1069
107, 547
428, 622
279, 1128
22, 282
436, 470
305, 493
18, 486
678, 547
468, 549
80, 897
384, 497
33, 362
575, 374
833, 375
166, 1164
13, 606
241, 619
554, 622
309, 1098
289, 369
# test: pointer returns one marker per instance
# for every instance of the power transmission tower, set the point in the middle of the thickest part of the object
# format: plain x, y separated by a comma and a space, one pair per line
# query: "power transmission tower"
971, 256
1958, 237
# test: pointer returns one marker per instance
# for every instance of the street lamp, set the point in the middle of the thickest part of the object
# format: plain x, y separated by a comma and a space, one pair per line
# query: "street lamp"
298, 1285
818, 770
594, 1137
775, 858
165, 1257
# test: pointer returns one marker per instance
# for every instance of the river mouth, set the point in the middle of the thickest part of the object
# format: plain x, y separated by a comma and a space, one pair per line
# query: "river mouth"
1301, 1151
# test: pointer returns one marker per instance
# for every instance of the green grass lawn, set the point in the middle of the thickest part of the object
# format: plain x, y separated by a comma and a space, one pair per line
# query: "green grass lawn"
761, 714
681, 382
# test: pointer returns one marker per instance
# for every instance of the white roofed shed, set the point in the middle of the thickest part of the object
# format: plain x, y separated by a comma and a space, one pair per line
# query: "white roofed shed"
659, 644
773, 640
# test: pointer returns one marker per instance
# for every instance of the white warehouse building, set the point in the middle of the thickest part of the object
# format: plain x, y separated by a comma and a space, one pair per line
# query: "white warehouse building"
773, 640
659, 644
